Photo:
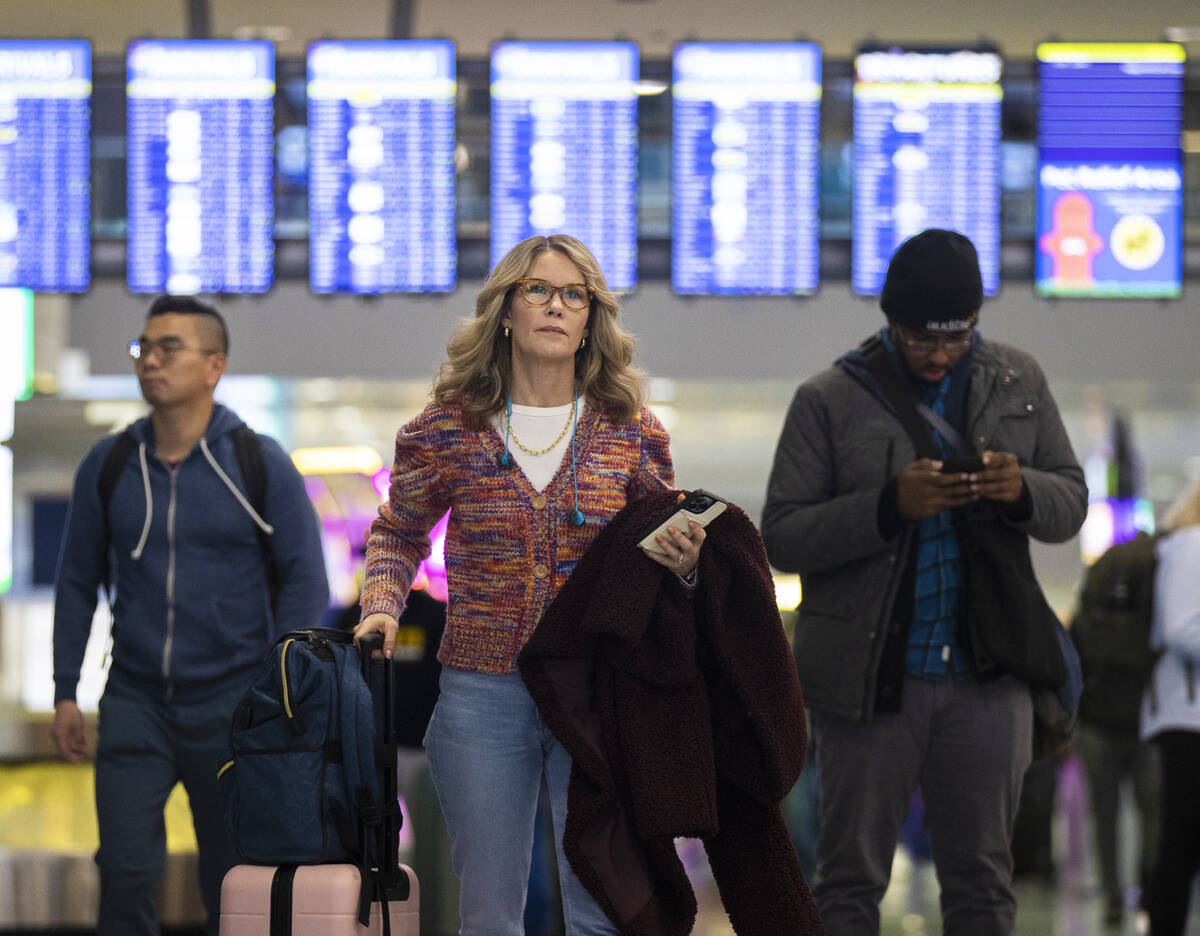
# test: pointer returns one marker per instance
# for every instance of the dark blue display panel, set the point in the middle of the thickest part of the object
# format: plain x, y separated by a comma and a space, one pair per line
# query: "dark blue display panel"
564, 148
200, 144
926, 154
745, 187
1110, 170
45, 118
381, 166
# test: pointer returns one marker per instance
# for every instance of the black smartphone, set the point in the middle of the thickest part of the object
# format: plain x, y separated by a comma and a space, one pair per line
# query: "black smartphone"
962, 464
700, 506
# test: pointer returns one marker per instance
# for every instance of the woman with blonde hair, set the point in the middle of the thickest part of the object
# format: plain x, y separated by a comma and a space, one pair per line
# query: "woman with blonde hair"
1171, 714
536, 436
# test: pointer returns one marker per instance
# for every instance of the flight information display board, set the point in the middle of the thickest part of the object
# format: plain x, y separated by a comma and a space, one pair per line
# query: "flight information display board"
45, 147
200, 149
381, 166
564, 149
926, 154
1110, 170
745, 188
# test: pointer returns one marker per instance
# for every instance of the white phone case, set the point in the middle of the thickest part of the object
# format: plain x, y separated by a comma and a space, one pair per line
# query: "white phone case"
679, 520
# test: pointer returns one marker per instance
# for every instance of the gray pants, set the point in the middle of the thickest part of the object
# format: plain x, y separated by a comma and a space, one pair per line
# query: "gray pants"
1110, 757
967, 744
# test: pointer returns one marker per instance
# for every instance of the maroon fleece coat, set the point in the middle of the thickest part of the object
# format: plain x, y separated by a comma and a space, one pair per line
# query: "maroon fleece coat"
684, 718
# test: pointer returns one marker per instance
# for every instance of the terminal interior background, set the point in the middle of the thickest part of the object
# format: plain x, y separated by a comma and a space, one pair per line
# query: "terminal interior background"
318, 371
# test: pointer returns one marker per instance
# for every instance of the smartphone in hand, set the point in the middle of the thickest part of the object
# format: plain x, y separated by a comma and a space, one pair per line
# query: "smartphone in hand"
700, 506
962, 464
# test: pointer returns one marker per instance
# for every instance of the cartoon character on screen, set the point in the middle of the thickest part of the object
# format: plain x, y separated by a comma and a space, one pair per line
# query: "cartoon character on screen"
1072, 243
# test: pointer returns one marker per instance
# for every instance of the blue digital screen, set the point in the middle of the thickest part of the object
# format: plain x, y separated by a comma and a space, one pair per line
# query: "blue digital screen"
926, 154
381, 166
745, 189
45, 144
1110, 170
200, 145
564, 149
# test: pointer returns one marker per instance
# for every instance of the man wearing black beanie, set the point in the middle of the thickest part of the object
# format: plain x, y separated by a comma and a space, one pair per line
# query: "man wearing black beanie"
876, 457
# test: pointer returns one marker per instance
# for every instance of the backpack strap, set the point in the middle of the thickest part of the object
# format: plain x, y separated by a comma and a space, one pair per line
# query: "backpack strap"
106, 483
879, 363
248, 450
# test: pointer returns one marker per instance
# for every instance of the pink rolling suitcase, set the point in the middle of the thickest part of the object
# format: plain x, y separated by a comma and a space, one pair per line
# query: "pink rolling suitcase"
309, 900
329, 899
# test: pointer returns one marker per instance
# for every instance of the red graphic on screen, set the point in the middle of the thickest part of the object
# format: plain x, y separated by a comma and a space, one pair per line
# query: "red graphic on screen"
1072, 243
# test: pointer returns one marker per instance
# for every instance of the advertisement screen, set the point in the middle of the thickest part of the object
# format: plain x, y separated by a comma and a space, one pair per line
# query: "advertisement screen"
926, 154
381, 166
564, 149
1110, 170
745, 189
45, 143
200, 151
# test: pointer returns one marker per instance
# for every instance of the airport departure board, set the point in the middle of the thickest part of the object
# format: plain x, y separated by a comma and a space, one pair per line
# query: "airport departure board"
926, 154
745, 188
1110, 170
564, 148
381, 166
200, 149
45, 147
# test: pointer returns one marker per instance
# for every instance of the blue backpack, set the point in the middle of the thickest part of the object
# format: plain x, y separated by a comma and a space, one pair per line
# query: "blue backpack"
300, 783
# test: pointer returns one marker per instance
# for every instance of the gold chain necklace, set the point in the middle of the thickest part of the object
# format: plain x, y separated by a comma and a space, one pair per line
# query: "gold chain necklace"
552, 445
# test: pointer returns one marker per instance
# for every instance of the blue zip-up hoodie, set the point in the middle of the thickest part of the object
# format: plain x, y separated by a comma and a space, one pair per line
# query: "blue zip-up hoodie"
192, 614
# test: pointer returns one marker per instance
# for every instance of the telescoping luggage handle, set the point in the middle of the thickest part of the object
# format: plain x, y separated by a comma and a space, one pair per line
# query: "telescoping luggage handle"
389, 882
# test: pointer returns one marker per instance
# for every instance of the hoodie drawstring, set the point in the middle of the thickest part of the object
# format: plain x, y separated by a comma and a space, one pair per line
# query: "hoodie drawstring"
262, 524
137, 550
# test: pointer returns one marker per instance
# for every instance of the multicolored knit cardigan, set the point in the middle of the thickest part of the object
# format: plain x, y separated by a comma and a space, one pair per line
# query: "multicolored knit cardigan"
509, 548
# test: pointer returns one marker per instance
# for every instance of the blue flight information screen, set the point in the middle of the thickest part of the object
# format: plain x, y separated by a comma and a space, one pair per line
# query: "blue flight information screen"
926, 154
45, 136
745, 187
381, 166
200, 150
564, 149
1110, 170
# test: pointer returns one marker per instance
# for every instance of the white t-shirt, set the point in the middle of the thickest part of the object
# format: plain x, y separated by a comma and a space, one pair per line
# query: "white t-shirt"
537, 427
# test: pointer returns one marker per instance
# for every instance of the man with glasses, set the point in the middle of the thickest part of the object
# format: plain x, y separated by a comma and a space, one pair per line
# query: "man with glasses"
893, 694
201, 582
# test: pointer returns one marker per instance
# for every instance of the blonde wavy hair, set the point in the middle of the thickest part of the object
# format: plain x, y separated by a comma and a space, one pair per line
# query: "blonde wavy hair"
478, 368
1185, 511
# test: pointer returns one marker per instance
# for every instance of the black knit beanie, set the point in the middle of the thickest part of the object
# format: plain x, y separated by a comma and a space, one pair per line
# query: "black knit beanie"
933, 282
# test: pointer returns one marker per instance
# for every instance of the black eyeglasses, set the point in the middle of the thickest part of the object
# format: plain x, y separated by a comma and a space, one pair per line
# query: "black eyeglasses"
167, 348
575, 296
926, 343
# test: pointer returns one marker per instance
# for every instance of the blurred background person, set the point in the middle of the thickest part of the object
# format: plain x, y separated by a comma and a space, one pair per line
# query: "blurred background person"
199, 596
1111, 629
1171, 713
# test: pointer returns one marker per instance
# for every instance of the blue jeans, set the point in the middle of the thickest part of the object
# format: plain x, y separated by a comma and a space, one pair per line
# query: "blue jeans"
145, 747
489, 754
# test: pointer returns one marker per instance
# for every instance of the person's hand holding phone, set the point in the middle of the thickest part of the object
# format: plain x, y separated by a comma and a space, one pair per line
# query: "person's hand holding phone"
678, 550
925, 488
1000, 479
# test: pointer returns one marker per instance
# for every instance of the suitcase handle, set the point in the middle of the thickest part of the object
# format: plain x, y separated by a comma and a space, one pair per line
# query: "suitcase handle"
380, 677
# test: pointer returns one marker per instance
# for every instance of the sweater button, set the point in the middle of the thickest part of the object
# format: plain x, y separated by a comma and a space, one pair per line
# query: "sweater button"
540, 571
539, 502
